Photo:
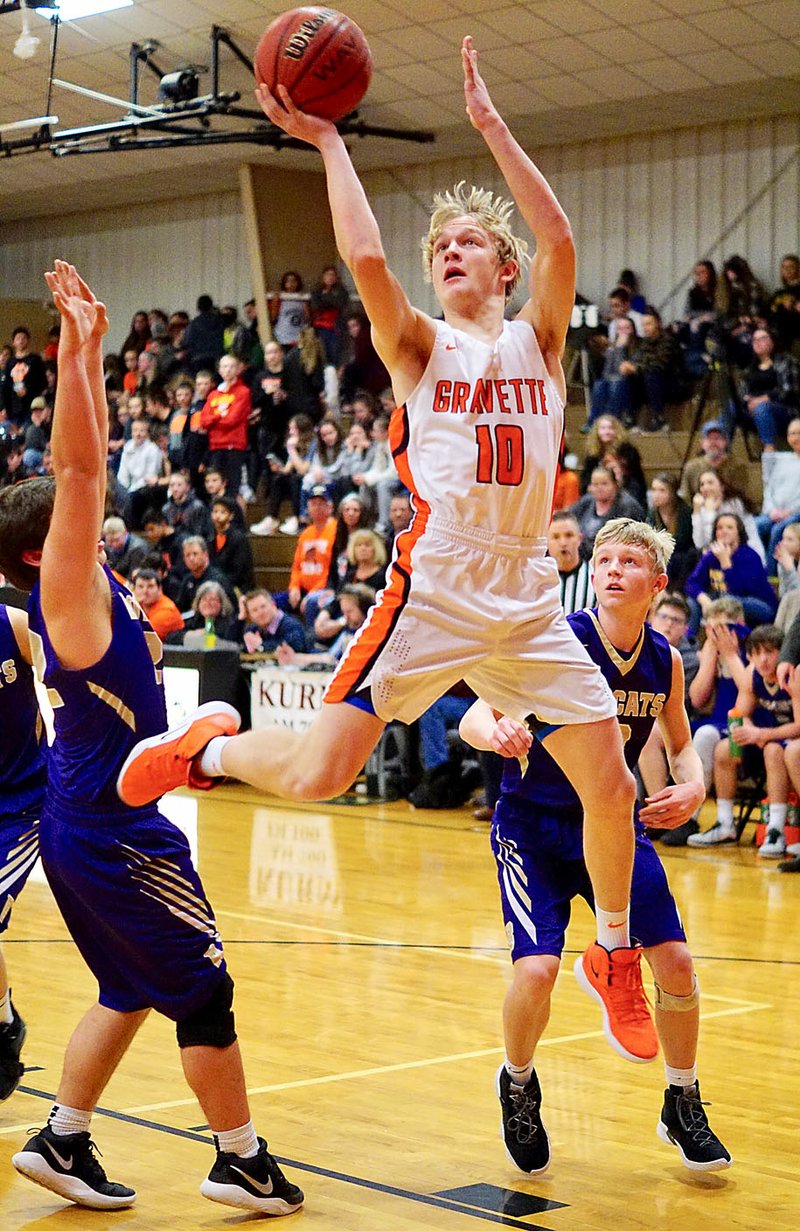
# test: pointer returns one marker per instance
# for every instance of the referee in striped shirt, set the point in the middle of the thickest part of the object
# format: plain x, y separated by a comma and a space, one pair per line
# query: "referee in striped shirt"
575, 575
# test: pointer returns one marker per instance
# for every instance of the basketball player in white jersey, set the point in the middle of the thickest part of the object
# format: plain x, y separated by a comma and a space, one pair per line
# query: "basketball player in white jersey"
470, 593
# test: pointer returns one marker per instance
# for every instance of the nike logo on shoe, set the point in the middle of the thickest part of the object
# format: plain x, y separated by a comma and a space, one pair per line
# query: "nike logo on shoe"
264, 1189
62, 1162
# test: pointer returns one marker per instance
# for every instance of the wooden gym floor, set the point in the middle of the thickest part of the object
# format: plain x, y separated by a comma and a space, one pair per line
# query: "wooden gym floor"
368, 952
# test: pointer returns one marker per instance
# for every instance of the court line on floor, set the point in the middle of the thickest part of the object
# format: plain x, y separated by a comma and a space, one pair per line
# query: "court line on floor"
442, 1203
744, 1006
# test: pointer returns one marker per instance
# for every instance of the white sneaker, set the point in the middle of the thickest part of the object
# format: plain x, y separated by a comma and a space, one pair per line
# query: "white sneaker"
267, 525
290, 526
773, 846
717, 835
794, 847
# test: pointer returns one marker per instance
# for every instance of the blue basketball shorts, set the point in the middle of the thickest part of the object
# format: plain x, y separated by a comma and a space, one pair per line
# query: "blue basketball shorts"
135, 907
540, 869
19, 850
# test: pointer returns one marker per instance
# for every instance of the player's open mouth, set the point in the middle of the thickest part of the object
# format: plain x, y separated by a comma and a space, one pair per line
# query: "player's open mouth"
454, 272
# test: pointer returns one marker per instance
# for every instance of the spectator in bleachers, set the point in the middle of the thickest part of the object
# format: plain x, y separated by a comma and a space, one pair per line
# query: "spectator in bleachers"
179, 417
443, 785
603, 501
741, 304
37, 434
202, 339
355, 601
712, 693
262, 626
380, 481
784, 306
620, 308
198, 569
125, 551
574, 571
213, 486
614, 393
211, 601
163, 539
365, 369
771, 717
715, 456
769, 390
657, 369
699, 314
355, 457
183, 511
628, 279
669, 512
312, 557
329, 299
288, 310
711, 500
130, 375
608, 436
567, 489
225, 417
229, 549
139, 334
787, 555
365, 408
160, 610
781, 475
322, 609
731, 567
195, 442
25, 378
400, 514
162, 350
12, 466
327, 447
141, 460
247, 340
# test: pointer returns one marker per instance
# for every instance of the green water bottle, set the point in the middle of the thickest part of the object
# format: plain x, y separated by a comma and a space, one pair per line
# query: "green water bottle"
735, 719
209, 635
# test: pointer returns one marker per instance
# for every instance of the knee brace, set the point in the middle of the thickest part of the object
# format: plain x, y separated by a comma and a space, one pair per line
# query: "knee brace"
213, 1025
677, 1004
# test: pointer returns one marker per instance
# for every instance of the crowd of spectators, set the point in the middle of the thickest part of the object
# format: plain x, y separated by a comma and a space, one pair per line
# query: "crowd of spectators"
205, 419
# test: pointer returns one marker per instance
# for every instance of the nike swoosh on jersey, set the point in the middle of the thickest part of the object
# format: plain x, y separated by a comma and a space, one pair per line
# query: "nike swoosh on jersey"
63, 1162
266, 1189
449, 347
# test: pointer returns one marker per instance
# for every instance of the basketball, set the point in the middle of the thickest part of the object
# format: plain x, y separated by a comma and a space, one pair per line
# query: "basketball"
322, 58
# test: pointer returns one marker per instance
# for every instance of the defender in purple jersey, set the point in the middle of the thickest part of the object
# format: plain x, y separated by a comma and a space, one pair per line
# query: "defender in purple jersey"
22, 781
537, 838
122, 877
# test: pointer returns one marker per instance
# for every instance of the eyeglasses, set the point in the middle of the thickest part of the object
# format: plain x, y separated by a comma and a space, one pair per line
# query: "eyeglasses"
672, 619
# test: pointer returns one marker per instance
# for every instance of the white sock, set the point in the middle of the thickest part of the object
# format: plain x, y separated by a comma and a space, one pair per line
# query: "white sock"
681, 1077
241, 1141
63, 1120
211, 758
6, 1016
725, 813
613, 928
520, 1074
777, 816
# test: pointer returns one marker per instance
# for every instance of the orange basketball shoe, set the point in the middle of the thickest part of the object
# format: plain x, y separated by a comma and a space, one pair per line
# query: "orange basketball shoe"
163, 762
614, 980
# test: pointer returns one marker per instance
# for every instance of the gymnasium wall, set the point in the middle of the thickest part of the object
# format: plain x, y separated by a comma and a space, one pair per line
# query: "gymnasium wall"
653, 202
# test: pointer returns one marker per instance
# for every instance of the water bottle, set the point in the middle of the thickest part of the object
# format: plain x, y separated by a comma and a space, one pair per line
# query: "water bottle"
209, 635
735, 719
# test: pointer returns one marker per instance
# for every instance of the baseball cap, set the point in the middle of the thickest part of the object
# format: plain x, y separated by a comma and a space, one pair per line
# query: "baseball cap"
715, 425
319, 489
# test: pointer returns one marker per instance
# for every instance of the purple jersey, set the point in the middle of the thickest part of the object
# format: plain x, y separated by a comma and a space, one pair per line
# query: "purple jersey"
22, 758
773, 703
641, 682
101, 711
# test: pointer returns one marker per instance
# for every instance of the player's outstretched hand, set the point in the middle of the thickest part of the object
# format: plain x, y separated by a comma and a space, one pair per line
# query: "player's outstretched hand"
295, 123
480, 108
83, 317
511, 738
671, 807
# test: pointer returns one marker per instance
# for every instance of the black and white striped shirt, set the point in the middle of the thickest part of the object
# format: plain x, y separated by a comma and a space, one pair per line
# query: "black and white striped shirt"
576, 589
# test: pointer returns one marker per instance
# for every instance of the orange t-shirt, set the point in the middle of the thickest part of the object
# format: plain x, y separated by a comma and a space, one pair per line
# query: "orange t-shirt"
164, 616
312, 557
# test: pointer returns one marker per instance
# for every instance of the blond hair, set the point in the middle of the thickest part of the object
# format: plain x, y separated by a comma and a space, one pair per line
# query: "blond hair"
659, 544
726, 608
492, 213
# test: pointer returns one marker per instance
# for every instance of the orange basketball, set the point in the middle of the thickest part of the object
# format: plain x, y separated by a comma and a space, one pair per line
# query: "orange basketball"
322, 58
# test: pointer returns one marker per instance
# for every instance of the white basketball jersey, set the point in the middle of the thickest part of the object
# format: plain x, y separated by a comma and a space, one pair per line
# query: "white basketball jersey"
479, 437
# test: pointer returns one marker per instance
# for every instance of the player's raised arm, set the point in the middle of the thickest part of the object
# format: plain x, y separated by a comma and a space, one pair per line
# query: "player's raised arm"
552, 272
401, 334
74, 598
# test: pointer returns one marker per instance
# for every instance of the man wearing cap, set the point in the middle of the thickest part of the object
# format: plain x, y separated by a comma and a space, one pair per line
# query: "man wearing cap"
733, 475
312, 557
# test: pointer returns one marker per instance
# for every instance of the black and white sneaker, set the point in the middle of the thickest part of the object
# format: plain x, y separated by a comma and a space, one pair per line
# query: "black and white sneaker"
252, 1183
525, 1137
67, 1165
684, 1124
12, 1036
